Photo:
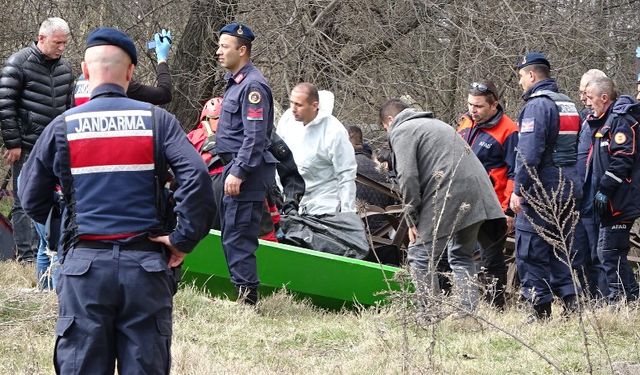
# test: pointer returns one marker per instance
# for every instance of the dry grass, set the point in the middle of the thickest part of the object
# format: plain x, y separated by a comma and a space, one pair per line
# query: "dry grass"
286, 336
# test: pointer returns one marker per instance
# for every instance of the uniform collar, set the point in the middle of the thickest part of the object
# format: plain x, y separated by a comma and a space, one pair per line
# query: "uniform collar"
240, 75
108, 89
545, 84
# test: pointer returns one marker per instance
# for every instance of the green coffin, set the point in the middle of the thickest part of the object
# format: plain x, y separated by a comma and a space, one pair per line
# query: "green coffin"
327, 280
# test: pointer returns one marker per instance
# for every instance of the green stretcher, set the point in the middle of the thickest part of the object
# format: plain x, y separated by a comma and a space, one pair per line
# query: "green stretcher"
327, 280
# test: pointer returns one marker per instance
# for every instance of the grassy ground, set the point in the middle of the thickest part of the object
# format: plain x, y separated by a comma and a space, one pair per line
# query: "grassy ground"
285, 336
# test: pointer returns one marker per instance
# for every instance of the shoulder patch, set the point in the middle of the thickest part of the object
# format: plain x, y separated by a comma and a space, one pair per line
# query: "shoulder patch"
620, 138
254, 97
527, 125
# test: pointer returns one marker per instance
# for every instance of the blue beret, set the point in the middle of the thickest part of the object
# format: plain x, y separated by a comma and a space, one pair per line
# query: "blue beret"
533, 58
238, 30
107, 36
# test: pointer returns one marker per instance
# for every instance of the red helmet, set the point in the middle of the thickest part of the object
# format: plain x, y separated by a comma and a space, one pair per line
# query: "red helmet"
212, 108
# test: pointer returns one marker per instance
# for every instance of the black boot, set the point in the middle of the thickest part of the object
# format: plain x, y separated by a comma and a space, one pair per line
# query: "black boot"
541, 313
571, 305
247, 295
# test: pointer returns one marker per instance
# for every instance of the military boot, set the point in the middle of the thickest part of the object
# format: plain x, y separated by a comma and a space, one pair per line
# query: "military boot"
247, 294
571, 305
541, 313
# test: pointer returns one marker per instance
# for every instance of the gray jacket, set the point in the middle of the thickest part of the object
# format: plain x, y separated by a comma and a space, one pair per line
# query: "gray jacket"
431, 159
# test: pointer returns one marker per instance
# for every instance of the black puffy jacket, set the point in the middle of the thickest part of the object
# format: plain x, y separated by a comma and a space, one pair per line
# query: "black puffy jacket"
33, 91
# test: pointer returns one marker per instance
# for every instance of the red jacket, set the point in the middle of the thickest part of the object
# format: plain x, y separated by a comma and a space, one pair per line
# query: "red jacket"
494, 143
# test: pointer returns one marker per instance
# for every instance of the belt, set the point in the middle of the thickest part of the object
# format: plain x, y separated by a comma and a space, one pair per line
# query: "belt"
227, 157
145, 245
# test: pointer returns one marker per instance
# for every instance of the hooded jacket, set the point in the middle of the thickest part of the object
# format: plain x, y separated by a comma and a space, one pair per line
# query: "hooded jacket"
326, 161
33, 91
616, 162
439, 176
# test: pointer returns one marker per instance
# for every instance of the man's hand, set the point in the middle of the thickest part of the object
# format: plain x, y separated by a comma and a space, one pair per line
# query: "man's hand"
510, 223
176, 257
515, 203
413, 235
600, 203
12, 155
232, 185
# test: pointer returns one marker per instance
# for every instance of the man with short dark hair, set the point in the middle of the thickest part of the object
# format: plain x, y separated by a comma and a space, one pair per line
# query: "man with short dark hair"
493, 137
242, 142
548, 127
322, 151
116, 286
614, 177
36, 85
435, 172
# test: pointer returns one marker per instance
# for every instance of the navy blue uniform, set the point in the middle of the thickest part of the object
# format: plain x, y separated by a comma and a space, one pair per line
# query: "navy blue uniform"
242, 140
616, 173
548, 125
589, 270
115, 288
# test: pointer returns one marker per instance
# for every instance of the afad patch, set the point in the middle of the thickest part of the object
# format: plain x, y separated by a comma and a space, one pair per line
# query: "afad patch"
620, 138
527, 125
254, 97
254, 114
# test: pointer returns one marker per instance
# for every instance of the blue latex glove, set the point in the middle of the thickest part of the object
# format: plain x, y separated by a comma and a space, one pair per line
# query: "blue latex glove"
163, 44
600, 203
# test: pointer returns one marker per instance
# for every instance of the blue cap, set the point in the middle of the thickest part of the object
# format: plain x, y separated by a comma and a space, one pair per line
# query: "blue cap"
239, 31
532, 58
108, 36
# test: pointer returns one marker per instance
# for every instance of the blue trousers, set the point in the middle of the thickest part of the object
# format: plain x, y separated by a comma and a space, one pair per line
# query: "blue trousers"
240, 229
46, 268
114, 306
541, 271
589, 270
613, 248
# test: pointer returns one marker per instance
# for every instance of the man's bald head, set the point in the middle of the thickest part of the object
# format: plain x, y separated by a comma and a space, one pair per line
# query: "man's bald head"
107, 64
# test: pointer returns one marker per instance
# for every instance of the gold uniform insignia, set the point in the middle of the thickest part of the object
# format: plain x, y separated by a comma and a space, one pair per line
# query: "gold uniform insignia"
254, 97
620, 138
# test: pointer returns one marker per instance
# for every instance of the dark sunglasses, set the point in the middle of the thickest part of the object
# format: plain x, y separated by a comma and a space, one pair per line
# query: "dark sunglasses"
482, 88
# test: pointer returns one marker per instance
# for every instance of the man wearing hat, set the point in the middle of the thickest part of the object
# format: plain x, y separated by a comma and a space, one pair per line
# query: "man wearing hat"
116, 285
242, 141
548, 126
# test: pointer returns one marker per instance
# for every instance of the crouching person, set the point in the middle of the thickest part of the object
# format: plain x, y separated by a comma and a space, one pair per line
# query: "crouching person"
326, 161
116, 282
449, 197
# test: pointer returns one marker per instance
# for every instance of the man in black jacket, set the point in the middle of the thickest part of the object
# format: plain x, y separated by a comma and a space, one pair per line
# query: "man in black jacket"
35, 87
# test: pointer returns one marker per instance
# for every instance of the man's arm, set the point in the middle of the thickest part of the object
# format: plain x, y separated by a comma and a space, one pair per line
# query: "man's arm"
38, 179
194, 195
256, 107
405, 150
157, 95
345, 167
509, 146
535, 122
622, 154
11, 85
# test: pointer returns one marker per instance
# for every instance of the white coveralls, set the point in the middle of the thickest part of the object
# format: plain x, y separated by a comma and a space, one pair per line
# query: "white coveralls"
325, 159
